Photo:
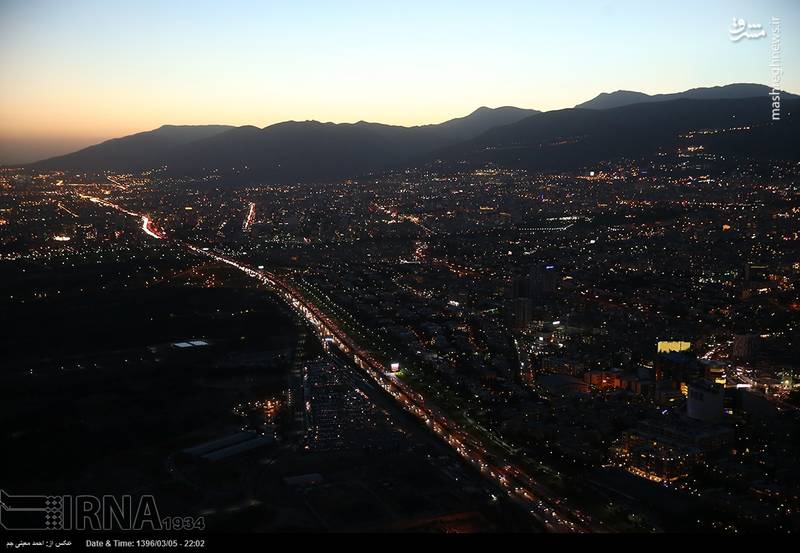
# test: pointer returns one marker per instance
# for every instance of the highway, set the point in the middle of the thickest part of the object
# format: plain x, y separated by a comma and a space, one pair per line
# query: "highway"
251, 215
551, 512
149, 229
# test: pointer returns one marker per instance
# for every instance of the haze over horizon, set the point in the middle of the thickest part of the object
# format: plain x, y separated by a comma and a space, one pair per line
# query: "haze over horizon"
78, 73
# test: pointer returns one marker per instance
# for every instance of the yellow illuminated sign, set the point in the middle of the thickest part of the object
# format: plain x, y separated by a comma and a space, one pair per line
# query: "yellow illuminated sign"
669, 346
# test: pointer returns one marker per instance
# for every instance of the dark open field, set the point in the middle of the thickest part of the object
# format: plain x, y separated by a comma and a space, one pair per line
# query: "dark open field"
85, 406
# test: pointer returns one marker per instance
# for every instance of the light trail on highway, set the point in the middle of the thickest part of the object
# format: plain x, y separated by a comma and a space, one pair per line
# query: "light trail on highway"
147, 224
519, 486
553, 514
147, 227
251, 215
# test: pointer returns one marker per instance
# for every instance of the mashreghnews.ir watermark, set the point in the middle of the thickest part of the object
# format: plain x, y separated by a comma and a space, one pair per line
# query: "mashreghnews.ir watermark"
741, 29
89, 513
775, 67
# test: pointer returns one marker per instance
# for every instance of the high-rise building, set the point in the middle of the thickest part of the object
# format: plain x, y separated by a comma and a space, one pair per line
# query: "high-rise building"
705, 401
745, 346
520, 313
519, 287
542, 281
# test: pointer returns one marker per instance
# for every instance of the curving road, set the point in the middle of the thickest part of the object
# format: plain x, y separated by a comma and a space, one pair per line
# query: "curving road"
551, 512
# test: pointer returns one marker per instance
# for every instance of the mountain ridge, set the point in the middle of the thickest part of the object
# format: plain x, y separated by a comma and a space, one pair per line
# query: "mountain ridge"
573, 138
166, 139
620, 98
312, 150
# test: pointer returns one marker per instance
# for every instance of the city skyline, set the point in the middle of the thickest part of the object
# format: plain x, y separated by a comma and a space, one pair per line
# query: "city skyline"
377, 267
75, 76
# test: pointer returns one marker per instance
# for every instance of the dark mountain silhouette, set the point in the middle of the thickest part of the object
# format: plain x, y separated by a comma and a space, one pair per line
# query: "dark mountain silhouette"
292, 149
728, 92
570, 138
480, 121
144, 149
606, 100
573, 138
305, 150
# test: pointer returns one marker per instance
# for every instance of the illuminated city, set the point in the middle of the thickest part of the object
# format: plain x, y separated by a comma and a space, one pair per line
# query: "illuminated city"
580, 320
